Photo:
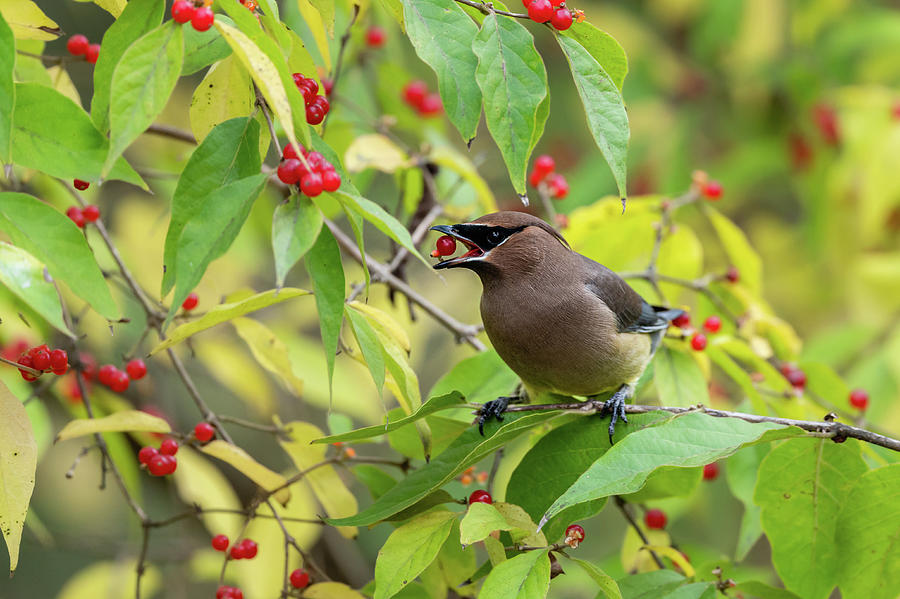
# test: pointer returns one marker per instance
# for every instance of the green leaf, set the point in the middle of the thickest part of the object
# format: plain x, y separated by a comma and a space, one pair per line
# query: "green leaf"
603, 106
481, 519
480, 378
435, 404
603, 47
649, 585
696, 590
138, 18
7, 89
823, 381
439, 497
740, 473
867, 532
607, 583
467, 449
295, 228
409, 550
28, 21
55, 136
802, 486
202, 48
513, 80
141, 85
23, 274
18, 462
225, 312
323, 262
442, 35
369, 346
678, 378
210, 233
668, 481
690, 440
270, 351
125, 421
737, 374
230, 152
740, 252
226, 92
761, 590
526, 576
52, 238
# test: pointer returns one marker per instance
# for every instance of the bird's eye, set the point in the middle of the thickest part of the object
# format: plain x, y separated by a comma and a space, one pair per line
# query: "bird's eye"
495, 236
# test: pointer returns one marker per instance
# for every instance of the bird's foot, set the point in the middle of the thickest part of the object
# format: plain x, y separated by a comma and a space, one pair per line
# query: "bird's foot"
494, 409
615, 407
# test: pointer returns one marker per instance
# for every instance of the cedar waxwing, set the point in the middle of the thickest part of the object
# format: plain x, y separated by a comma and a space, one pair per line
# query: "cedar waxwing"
562, 322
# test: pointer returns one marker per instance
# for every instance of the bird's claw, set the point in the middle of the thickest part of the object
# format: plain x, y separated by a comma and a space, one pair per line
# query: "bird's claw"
615, 407
493, 408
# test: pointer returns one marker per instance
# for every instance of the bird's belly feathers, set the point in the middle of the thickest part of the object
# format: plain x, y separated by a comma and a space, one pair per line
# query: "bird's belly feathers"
571, 347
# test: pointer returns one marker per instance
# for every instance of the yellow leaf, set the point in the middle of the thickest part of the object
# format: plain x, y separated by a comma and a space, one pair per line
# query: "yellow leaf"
324, 481
249, 467
126, 421
300, 60
524, 529
673, 554
63, 83
224, 93
331, 590
110, 580
264, 73
232, 366
462, 166
634, 558
199, 482
225, 312
27, 21
376, 151
113, 7
314, 21
384, 324
18, 461
269, 351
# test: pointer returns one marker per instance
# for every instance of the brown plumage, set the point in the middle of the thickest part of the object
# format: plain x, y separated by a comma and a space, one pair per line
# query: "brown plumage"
562, 322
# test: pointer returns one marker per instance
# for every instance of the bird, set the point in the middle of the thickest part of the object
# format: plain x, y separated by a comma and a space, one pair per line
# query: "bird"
562, 322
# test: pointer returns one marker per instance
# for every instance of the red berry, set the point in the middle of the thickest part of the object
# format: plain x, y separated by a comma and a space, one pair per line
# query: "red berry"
120, 381
106, 374
40, 360
27, 361
77, 44
375, 37
827, 122
311, 84
445, 245
299, 578
59, 361
800, 150
92, 53
655, 518
161, 464
237, 551
220, 542
535, 177
559, 187
146, 454
204, 431
314, 114
90, 213
183, 11
414, 93
323, 103
288, 152
698, 341
574, 533
331, 181
250, 548
203, 18
797, 378
733, 275
190, 302
311, 184
859, 399
289, 171
308, 91
895, 110
136, 369
77, 216
544, 164
712, 190
561, 18
480, 496
711, 471
432, 105
712, 324
682, 321
88, 367
168, 447
327, 85
80, 185
540, 11
223, 592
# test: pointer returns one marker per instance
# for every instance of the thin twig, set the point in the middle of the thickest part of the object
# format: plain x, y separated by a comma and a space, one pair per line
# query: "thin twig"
266, 428
340, 62
620, 503
28, 369
488, 9
173, 132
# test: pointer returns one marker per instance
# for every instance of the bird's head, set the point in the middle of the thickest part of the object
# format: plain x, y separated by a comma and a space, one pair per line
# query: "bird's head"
502, 241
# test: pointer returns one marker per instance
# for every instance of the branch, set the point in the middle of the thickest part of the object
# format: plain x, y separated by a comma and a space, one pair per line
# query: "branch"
829, 430
489, 8
173, 132
620, 503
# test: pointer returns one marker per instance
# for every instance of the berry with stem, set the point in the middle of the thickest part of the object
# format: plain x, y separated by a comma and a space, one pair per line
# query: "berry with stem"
183, 11
203, 18
299, 578
540, 11
220, 542
480, 496
561, 18
90, 213
146, 454
445, 246
204, 432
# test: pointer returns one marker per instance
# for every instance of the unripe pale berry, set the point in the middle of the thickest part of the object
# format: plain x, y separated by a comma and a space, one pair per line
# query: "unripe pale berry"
480, 496
655, 519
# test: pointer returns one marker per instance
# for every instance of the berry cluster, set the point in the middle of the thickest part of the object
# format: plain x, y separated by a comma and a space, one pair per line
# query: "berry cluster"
78, 45
445, 246
190, 302
82, 216
415, 93
574, 535
227, 592
541, 11
859, 399
44, 359
711, 471
299, 578
201, 17
480, 496
375, 36
469, 476
162, 461
316, 105
119, 380
246, 549
655, 518
319, 177
795, 376
543, 175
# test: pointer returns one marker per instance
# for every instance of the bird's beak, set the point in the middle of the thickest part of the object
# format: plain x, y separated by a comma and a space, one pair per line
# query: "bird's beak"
458, 232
